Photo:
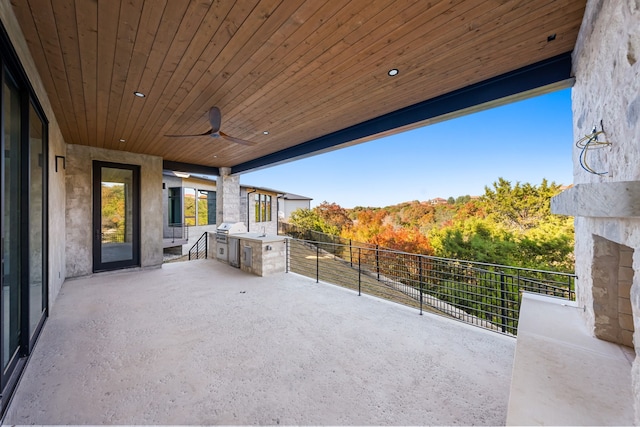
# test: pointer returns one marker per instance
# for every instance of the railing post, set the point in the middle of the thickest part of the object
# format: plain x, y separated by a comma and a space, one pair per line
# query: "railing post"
503, 301
359, 275
378, 262
571, 297
287, 242
420, 280
318, 264
206, 245
350, 254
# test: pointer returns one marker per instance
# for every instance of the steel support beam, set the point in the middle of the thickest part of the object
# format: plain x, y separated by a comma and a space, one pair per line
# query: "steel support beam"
190, 168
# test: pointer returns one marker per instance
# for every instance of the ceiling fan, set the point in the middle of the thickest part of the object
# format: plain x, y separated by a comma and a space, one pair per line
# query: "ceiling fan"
215, 117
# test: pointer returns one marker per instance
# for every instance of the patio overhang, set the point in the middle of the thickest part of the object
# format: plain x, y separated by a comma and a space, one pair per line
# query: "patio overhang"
532, 80
295, 78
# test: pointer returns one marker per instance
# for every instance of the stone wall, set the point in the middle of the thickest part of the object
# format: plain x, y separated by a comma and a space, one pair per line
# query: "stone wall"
625, 281
607, 95
612, 276
267, 258
228, 197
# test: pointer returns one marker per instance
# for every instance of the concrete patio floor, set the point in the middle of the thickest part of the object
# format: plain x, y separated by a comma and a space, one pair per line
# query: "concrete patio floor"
203, 343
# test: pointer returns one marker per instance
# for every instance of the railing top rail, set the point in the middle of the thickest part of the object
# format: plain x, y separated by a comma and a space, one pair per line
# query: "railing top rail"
356, 245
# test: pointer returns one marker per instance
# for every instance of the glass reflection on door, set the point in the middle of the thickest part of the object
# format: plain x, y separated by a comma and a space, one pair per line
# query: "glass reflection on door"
37, 290
11, 225
116, 224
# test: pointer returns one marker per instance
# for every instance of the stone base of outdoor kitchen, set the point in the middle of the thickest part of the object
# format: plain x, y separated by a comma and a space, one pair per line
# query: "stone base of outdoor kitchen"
258, 254
562, 374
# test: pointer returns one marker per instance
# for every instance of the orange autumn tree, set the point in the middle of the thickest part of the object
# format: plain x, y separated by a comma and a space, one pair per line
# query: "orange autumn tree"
403, 239
374, 227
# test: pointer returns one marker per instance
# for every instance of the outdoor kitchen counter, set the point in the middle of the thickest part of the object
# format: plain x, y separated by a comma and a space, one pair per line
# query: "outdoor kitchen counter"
258, 237
261, 255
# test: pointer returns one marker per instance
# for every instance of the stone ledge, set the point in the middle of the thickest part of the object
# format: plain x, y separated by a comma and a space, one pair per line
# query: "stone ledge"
562, 375
600, 200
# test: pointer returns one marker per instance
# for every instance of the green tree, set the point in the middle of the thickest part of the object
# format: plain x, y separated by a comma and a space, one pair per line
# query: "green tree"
310, 220
520, 207
474, 239
549, 246
462, 199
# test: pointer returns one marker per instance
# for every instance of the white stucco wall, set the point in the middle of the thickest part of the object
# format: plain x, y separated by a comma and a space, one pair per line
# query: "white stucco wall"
288, 206
606, 64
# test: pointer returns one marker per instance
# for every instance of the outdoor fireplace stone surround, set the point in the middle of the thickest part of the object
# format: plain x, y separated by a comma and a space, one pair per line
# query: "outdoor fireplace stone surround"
606, 206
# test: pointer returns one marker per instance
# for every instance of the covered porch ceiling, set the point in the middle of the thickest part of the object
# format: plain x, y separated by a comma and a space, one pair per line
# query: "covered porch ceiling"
311, 73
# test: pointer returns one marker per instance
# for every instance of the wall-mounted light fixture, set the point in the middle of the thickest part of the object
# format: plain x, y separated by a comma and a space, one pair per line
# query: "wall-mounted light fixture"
64, 162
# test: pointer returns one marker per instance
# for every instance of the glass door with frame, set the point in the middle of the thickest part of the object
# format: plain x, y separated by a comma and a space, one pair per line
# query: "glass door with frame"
116, 216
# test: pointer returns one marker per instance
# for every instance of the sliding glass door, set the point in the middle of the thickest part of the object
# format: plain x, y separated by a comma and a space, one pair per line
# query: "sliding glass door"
36, 206
11, 242
23, 206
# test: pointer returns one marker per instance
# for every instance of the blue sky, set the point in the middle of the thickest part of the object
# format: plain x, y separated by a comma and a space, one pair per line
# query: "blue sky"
524, 141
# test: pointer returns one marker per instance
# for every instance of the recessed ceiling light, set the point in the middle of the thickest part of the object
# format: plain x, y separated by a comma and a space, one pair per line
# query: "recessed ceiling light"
139, 94
266, 132
123, 140
393, 72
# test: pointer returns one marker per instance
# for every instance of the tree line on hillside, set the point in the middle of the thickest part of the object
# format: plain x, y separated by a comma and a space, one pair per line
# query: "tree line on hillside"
509, 225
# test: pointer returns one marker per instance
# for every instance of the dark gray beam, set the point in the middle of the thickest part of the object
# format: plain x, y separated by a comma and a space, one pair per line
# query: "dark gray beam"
190, 167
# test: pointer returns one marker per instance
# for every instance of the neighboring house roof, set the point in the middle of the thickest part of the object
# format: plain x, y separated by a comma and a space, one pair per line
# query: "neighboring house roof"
291, 196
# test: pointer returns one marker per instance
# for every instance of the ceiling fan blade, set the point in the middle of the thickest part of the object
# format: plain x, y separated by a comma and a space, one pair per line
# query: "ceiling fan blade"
215, 118
207, 133
236, 140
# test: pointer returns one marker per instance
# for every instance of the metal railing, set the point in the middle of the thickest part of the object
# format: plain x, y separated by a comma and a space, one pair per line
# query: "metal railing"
177, 231
284, 228
200, 248
113, 235
486, 295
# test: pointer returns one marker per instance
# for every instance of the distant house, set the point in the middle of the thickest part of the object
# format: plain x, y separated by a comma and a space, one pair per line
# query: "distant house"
438, 201
289, 202
190, 208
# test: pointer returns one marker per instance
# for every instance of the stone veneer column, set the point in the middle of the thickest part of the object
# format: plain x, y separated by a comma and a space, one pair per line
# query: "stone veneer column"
227, 197
607, 95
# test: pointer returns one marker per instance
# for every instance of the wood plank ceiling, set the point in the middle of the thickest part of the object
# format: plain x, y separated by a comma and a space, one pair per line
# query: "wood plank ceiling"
299, 69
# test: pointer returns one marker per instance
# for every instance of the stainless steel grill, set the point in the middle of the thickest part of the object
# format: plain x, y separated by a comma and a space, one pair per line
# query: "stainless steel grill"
226, 228
222, 240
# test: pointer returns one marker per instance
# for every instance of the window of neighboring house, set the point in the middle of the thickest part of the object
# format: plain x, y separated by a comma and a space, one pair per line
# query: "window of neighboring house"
175, 206
202, 208
262, 207
199, 207
190, 206
206, 207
